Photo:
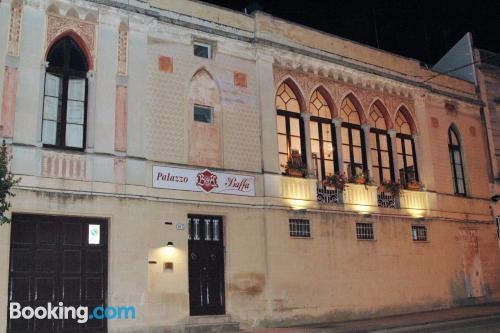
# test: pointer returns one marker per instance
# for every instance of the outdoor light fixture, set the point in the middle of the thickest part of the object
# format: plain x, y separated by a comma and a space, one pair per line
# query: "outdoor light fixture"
170, 244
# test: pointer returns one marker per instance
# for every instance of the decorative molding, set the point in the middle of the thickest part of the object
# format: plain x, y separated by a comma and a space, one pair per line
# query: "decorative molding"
63, 165
122, 51
15, 28
57, 25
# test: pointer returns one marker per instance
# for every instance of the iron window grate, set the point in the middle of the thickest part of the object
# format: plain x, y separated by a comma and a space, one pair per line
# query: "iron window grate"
299, 228
419, 233
364, 231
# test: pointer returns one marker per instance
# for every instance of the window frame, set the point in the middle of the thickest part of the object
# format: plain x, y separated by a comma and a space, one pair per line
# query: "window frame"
360, 225
403, 138
307, 233
415, 234
352, 165
66, 73
207, 45
297, 115
378, 132
319, 121
205, 107
456, 148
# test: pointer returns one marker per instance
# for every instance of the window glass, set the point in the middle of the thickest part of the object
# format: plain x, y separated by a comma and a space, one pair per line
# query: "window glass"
281, 124
74, 136
294, 126
203, 114
314, 130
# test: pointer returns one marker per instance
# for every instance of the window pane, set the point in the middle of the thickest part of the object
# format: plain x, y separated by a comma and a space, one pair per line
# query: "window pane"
376, 176
456, 155
327, 132
49, 134
53, 85
461, 188
408, 147
281, 124
314, 130
329, 168
346, 154
74, 136
399, 146
356, 137
385, 160
283, 160
328, 150
458, 170
387, 174
296, 145
283, 148
373, 140
345, 135
76, 89
409, 161
203, 114
374, 157
315, 147
52, 108
294, 126
357, 155
383, 142
75, 112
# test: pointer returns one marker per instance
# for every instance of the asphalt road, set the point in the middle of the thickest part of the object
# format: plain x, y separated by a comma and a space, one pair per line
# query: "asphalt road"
490, 324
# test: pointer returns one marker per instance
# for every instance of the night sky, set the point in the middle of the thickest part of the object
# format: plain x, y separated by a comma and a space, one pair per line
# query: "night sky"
423, 30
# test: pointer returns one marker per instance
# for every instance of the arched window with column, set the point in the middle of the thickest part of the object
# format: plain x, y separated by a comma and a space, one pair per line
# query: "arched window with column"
405, 147
290, 125
323, 145
65, 96
380, 142
353, 140
456, 160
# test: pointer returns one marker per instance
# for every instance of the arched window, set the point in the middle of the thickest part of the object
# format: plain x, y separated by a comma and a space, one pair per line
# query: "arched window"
65, 96
456, 162
381, 150
323, 147
290, 126
353, 140
407, 159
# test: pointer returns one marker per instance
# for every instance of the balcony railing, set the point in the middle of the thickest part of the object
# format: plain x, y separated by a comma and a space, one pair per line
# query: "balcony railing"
387, 200
328, 195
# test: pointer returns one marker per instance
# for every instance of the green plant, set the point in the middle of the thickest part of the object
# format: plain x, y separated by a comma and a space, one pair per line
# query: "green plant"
7, 180
391, 186
362, 178
337, 180
295, 166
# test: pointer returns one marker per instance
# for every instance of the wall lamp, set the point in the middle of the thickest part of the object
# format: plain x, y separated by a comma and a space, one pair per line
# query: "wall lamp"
170, 244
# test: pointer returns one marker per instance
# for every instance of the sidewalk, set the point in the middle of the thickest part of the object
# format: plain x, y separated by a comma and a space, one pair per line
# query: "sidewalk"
392, 322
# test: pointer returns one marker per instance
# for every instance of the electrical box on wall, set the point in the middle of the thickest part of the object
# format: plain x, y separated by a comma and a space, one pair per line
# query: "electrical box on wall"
168, 266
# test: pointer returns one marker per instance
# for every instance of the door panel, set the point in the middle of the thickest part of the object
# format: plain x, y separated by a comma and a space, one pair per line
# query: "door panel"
206, 265
53, 261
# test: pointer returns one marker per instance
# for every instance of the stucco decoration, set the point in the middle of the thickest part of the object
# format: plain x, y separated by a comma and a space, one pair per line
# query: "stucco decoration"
84, 33
15, 28
122, 50
341, 86
205, 139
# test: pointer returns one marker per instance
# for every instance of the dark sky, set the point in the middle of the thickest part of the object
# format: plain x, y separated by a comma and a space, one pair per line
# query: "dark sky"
423, 30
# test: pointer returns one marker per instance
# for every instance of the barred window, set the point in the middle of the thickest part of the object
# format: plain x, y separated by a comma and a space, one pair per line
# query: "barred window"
299, 228
419, 233
364, 231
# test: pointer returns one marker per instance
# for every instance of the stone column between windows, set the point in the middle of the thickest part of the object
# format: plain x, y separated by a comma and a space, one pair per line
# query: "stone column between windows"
416, 142
338, 143
39, 133
369, 164
91, 97
121, 114
306, 117
392, 134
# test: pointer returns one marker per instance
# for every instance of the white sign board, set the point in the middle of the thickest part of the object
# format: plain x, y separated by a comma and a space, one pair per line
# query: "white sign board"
203, 180
94, 234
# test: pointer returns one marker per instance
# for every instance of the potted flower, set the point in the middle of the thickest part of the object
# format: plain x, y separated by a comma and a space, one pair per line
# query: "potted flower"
295, 167
390, 186
335, 181
361, 178
414, 185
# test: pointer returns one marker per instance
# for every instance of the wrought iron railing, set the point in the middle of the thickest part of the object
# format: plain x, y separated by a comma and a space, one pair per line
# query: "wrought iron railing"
387, 200
328, 195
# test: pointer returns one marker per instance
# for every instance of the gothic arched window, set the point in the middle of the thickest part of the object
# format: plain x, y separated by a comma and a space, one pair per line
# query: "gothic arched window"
353, 140
456, 161
65, 96
381, 150
405, 145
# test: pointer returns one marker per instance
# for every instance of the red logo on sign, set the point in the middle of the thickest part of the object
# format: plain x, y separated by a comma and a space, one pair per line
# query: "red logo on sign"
206, 180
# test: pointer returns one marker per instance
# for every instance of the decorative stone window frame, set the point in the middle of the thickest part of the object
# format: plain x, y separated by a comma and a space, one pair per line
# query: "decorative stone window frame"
211, 44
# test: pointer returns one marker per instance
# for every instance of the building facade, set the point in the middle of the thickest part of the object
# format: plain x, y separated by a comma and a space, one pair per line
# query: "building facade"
173, 157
